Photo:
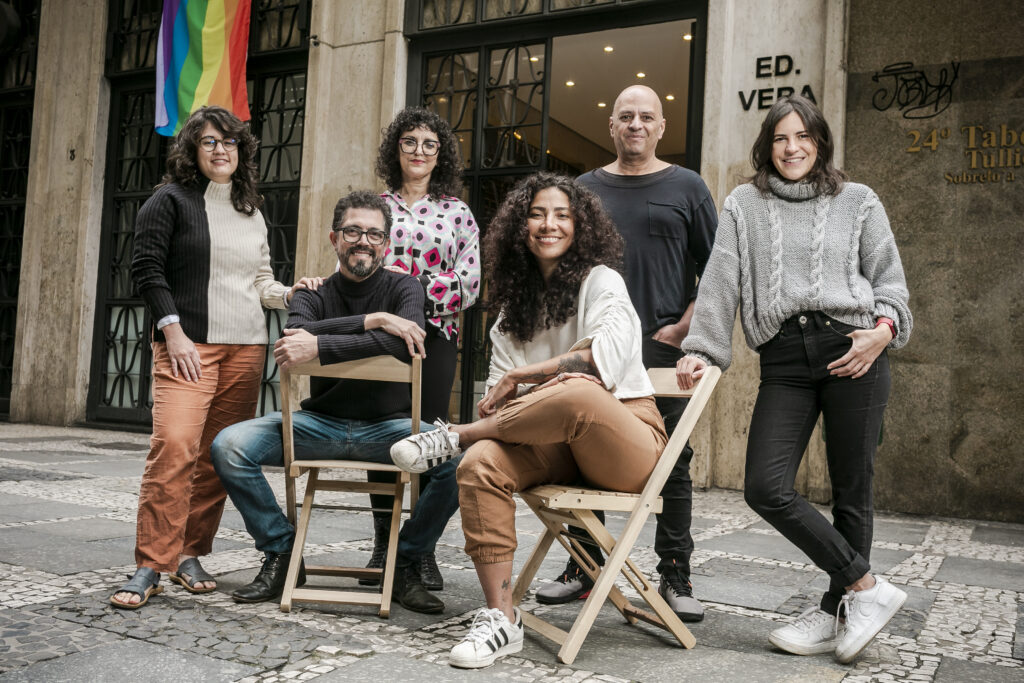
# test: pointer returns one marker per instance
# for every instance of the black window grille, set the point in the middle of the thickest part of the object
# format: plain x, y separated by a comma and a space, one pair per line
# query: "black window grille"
120, 388
20, 21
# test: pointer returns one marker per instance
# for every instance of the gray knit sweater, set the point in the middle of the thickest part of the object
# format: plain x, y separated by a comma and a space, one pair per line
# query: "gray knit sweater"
796, 250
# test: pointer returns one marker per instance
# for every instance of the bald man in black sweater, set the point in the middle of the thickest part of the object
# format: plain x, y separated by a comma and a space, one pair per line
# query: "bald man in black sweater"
362, 310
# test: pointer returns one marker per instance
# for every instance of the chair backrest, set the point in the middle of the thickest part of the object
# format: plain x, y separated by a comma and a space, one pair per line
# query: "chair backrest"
664, 381
374, 368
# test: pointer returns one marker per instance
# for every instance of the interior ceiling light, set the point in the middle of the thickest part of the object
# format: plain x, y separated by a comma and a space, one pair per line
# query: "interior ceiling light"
442, 99
602, 104
641, 74
687, 37
516, 134
670, 97
534, 59
608, 48
570, 83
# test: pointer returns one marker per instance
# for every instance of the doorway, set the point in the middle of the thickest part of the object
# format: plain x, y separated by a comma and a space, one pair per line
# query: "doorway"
533, 90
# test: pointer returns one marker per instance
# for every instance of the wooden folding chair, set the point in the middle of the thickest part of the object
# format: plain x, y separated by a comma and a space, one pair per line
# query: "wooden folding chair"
558, 507
378, 368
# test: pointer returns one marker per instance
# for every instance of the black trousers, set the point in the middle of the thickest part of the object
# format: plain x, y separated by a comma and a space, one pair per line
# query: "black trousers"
672, 540
795, 388
438, 375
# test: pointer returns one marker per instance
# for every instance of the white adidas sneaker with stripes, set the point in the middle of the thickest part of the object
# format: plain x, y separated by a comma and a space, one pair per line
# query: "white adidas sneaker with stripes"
491, 635
420, 452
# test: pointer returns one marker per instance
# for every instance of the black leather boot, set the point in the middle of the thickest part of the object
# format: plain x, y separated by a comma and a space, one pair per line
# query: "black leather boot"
430, 573
269, 583
410, 592
381, 531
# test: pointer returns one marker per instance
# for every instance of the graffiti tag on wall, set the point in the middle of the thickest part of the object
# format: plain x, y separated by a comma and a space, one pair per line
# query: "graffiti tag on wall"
912, 91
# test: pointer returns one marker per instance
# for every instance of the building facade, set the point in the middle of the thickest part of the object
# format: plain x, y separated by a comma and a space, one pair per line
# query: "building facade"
924, 111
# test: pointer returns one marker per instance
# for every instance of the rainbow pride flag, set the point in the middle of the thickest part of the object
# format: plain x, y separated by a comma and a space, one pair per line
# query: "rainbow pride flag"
200, 60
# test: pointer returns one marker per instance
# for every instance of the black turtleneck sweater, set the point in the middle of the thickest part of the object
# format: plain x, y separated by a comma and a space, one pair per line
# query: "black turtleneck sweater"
335, 314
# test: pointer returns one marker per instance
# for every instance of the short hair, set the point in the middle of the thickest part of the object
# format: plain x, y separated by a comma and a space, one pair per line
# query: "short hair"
516, 287
361, 199
827, 179
182, 164
446, 178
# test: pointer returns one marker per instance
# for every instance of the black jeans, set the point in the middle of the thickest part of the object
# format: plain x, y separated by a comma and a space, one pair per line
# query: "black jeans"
795, 388
672, 540
438, 375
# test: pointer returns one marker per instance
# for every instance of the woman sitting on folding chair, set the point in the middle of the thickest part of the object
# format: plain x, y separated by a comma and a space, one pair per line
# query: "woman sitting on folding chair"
567, 395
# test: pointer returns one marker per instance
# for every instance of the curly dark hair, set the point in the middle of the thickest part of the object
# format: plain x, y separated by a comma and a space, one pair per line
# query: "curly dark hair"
446, 179
827, 179
183, 168
361, 199
514, 277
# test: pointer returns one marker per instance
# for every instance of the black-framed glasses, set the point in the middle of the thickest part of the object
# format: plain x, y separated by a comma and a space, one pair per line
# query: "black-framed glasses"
209, 143
410, 145
352, 235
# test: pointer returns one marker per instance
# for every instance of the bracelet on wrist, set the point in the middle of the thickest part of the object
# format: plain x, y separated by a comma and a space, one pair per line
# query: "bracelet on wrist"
888, 323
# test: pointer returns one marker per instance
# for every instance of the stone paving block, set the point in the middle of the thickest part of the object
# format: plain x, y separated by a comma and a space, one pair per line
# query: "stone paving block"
892, 531
88, 529
388, 667
140, 448
15, 473
1018, 637
747, 584
756, 545
131, 660
15, 508
44, 457
26, 638
957, 671
989, 573
1011, 535
107, 466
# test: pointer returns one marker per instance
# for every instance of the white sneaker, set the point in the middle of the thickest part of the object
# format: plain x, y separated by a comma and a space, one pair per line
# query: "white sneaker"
490, 636
867, 612
420, 452
812, 633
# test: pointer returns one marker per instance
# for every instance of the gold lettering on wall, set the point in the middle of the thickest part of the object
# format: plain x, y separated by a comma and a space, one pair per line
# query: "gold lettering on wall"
991, 153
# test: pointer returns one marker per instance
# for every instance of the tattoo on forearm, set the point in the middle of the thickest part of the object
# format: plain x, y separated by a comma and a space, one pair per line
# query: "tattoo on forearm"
573, 363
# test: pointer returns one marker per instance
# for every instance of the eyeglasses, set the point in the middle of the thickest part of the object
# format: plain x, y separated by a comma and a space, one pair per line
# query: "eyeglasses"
373, 236
410, 145
209, 143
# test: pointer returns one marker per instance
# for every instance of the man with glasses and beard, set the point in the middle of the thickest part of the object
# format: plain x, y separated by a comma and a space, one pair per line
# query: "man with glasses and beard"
362, 310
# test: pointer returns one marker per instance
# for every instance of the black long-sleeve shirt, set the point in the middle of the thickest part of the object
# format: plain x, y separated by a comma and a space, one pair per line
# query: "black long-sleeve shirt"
335, 314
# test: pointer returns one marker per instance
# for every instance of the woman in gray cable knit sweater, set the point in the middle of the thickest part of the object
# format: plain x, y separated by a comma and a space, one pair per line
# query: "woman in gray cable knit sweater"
811, 262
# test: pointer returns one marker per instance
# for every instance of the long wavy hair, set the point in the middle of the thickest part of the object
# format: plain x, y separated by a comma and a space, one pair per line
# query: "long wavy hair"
446, 178
515, 284
183, 167
827, 179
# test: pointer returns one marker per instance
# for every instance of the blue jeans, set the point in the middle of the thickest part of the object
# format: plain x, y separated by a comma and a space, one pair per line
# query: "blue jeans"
240, 451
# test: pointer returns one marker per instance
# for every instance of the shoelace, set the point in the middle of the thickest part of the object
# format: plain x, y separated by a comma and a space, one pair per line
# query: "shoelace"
480, 631
809, 619
437, 440
844, 605
676, 583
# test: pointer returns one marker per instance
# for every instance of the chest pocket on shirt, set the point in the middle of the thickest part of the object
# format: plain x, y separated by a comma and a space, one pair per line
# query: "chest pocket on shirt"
666, 220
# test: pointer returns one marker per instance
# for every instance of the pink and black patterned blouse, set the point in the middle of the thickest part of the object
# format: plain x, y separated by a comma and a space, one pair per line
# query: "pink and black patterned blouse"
439, 244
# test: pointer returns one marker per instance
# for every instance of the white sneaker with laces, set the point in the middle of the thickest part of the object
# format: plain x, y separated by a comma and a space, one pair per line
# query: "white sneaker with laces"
491, 635
812, 633
420, 452
867, 613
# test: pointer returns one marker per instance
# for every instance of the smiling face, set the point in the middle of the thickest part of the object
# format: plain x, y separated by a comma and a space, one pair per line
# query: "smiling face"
794, 151
219, 164
416, 165
550, 227
637, 123
359, 260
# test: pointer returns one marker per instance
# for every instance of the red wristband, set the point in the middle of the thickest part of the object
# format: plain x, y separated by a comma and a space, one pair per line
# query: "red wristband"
888, 323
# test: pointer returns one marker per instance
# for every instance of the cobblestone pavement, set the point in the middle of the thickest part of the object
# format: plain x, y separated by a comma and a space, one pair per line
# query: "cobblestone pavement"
67, 511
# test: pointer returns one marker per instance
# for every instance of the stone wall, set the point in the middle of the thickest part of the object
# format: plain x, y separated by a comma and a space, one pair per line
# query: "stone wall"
935, 121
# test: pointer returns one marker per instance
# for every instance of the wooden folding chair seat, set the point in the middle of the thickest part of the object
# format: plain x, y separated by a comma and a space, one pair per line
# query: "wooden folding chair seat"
377, 368
558, 507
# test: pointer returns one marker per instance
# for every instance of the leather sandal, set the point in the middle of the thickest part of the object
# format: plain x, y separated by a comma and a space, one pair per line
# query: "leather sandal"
195, 573
144, 583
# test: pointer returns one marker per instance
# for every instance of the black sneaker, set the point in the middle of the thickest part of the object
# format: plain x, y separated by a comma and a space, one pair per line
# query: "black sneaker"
677, 591
573, 584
